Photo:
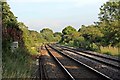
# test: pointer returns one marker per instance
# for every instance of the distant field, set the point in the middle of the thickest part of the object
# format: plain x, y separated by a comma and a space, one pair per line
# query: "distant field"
110, 50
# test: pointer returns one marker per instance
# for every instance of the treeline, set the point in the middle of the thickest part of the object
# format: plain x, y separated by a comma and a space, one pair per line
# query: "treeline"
33, 39
106, 32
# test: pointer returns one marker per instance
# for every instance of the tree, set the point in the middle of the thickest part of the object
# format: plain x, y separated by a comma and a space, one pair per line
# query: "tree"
110, 11
79, 42
57, 36
109, 22
47, 34
111, 33
8, 18
10, 29
81, 27
68, 33
91, 33
68, 30
46, 30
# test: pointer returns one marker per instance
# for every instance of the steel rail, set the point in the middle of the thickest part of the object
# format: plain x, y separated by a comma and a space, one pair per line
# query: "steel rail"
106, 63
42, 72
105, 76
68, 73
114, 59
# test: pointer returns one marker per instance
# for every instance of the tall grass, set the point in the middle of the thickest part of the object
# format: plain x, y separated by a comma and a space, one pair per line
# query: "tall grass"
110, 50
17, 64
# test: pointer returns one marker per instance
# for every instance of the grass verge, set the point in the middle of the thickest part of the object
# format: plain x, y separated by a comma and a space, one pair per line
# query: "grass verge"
17, 64
110, 50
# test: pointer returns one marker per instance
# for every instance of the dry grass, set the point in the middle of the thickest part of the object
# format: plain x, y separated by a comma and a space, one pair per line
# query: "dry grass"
110, 50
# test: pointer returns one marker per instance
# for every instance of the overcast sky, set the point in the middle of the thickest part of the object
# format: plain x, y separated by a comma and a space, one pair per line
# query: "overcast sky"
56, 14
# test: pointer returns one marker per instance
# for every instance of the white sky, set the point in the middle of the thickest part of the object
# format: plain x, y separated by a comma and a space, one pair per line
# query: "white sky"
56, 14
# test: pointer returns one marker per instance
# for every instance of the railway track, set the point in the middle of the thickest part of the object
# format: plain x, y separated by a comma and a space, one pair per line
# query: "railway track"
105, 69
82, 70
51, 68
42, 71
113, 62
117, 59
69, 76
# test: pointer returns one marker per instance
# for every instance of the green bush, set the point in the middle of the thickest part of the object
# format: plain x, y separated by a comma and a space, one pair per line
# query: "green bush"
94, 47
17, 64
79, 42
108, 53
71, 43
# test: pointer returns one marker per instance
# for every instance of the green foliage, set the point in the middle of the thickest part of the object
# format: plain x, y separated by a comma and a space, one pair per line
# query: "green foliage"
8, 18
103, 33
109, 25
94, 47
17, 64
69, 33
47, 34
79, 42
68, 30
91, 33
110, 11
46, 30
31, 39
111, 33
57, 36
71, 43
108, 53
87, 37
10, 30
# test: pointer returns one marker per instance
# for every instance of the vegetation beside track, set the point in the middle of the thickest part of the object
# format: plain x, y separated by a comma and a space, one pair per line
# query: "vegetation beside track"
103, 36
96, 37
19, 63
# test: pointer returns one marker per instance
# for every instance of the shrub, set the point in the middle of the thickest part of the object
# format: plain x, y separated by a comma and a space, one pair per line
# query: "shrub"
79, 42
108, 53
17, 64
94, 47
71, 43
